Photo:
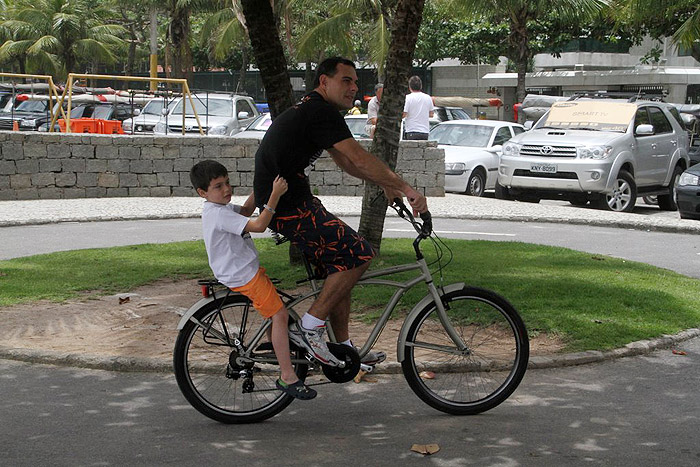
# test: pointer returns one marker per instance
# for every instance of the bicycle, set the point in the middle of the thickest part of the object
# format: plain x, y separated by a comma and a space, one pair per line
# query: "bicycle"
463, 350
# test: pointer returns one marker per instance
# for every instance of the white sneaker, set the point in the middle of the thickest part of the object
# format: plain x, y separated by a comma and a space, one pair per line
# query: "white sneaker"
312, 340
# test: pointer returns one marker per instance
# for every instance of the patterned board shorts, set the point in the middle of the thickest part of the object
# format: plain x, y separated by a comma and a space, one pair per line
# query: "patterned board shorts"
329, 244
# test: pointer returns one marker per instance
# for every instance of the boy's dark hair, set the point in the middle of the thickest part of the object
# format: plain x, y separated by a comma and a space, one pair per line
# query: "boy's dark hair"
329, 67
204, 172
415, 83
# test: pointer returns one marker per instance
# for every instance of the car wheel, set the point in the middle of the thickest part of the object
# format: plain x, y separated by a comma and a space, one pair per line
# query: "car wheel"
651, 200
667, 202
528, 199
476, 183
623, 196
502, 192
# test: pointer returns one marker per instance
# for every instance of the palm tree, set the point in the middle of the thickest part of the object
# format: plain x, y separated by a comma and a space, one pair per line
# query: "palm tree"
404, 35
334, 24
58, 35
522, 15
224, 32
269, 54
663, 16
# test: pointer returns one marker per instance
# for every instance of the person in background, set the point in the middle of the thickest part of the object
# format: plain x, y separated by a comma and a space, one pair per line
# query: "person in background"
417, 111
373, 110
356, 110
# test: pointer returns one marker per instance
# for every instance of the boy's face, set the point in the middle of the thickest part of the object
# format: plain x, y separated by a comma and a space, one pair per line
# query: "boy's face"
219, 191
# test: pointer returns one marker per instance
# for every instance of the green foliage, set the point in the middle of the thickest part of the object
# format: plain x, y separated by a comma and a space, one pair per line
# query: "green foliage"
590, 301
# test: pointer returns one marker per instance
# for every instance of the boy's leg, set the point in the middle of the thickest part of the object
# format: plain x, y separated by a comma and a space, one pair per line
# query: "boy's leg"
280, 342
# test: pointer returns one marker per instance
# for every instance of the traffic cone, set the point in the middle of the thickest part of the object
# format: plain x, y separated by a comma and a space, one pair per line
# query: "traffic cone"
15, 125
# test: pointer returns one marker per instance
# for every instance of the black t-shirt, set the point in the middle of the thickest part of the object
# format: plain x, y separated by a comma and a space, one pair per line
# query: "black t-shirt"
291, 145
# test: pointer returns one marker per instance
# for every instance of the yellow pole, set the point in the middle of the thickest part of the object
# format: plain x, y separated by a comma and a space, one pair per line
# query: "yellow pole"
154, 72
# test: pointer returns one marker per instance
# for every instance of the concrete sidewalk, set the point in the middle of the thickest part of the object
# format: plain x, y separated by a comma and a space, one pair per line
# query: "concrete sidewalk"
13, 213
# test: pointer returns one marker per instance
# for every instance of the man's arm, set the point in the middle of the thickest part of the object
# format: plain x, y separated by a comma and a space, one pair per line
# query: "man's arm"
353, 159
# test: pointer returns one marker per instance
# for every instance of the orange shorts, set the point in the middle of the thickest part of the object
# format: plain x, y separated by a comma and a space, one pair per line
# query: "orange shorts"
263, 294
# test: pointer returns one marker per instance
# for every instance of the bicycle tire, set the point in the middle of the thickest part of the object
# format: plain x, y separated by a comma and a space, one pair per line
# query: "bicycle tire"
479, 378
204, 371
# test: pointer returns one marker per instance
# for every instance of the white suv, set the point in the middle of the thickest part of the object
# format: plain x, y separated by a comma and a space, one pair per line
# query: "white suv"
219, 114
603, 151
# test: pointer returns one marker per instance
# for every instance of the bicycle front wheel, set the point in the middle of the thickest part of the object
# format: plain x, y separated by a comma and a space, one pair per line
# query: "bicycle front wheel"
478, 377
212, 377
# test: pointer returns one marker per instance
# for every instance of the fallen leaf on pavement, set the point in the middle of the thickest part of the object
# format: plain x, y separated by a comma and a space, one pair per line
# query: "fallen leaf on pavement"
425, 449
359, 375
427, 375
124, 300
678, 352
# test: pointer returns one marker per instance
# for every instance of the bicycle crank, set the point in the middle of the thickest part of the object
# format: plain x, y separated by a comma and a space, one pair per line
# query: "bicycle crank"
346, 354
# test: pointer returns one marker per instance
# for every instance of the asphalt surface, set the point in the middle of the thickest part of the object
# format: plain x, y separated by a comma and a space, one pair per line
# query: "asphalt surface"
646, 218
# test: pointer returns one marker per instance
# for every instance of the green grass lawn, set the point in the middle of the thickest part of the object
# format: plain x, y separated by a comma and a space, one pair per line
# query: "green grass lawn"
589, 301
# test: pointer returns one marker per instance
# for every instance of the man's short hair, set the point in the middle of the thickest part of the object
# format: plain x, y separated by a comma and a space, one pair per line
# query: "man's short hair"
414, 83
377, 87
329, 67
204, 172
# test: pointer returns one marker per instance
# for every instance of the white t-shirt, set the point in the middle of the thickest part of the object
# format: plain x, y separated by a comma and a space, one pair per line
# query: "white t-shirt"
417, 107
232, 254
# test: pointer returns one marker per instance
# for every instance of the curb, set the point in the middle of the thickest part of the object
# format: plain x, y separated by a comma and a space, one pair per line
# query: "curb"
621, 224
136, 364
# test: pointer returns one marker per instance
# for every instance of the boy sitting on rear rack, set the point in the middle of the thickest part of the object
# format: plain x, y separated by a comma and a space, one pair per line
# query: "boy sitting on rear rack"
234, 259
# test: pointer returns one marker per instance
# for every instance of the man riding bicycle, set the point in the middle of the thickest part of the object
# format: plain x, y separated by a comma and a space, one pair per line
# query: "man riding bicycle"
292, 144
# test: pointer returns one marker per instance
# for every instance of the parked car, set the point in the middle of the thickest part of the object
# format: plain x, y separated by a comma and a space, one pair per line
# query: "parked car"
443, 114
257, 128
219, 114
605, 151
688, 193
29, 115
472, 151
357, 124
97, 111
146, 119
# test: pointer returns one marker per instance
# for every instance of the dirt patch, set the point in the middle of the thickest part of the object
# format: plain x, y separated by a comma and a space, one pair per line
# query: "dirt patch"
143, 323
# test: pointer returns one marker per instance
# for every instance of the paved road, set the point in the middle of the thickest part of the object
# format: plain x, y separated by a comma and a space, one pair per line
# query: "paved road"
679, 252
639, 411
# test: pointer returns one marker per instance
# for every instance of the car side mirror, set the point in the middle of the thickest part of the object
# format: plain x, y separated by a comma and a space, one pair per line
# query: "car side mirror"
164, 111
644, 130
242, 115
495, 149
528, 125
136, 112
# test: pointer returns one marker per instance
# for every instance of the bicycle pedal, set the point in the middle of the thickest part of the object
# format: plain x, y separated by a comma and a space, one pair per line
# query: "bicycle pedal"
366, 368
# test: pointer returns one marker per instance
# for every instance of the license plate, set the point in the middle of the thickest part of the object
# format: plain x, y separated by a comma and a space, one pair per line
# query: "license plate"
543, 168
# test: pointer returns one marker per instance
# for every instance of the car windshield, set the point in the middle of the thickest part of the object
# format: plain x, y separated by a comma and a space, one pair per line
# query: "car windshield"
262, 123
589, 115
476, 136
153, 107
357, 127
204, 106
32, 106
102, 112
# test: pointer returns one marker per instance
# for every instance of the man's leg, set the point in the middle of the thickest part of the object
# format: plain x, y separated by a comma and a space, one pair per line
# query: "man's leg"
334, 299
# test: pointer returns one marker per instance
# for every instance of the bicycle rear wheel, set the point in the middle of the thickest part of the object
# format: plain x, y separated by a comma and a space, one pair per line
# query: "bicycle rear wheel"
478, 378
210, 377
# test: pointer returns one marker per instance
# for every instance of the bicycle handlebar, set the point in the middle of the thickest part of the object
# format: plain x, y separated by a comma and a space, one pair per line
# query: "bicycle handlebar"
425, 229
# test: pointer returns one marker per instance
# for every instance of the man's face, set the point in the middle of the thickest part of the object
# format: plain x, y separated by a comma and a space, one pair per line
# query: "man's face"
379, 93
219, 191
340, 89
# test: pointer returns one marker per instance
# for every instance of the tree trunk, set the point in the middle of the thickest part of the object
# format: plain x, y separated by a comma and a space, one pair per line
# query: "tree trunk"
178, 35
269, 54
404, 34
240, 86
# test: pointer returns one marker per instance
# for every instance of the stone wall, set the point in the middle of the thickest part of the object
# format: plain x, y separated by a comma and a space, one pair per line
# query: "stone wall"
57, 166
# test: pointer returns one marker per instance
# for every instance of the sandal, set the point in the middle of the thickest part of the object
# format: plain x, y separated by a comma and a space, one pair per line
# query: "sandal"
297, 390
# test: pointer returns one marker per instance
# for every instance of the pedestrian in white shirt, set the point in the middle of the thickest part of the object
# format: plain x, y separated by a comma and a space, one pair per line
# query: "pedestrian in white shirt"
417, 111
